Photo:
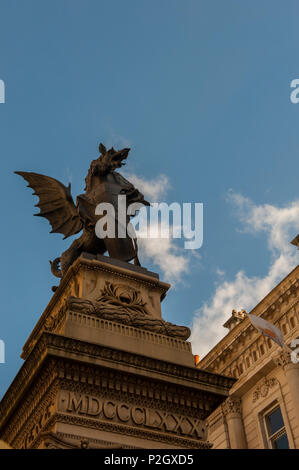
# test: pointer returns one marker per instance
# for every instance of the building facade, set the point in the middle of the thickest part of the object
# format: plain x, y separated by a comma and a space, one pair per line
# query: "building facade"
262, 410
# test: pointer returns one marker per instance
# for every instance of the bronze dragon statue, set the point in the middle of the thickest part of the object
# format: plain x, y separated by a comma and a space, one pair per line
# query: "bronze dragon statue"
103, 184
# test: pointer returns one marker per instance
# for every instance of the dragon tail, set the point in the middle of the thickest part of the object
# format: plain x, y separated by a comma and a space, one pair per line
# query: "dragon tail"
55, 269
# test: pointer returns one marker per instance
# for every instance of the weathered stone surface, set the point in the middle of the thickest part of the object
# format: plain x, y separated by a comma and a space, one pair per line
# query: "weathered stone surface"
91, 382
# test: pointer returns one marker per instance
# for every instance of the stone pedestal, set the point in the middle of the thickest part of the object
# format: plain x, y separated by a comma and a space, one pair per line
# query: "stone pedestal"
103, 369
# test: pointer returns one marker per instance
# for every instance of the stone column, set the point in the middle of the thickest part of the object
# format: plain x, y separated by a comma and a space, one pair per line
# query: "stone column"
292, 374
232, 410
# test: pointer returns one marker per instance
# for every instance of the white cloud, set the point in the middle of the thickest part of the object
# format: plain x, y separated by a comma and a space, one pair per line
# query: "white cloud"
280, 225
220, 272
171, 260
154, 190
164, 253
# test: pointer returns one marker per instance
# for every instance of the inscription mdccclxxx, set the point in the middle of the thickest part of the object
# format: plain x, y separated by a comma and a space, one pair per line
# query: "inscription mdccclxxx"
110, 410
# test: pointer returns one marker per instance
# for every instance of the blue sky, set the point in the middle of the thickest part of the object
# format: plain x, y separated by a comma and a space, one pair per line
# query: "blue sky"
200, 90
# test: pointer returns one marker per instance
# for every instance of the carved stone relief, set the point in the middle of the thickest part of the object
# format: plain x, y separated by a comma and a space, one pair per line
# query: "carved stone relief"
263, 389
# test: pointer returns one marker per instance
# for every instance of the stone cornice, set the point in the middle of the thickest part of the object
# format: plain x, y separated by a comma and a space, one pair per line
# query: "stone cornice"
96, 265
190, 374
250, 342
127, 430
54, 345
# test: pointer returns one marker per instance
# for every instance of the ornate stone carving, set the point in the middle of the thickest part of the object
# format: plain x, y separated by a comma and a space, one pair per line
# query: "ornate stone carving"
128, 316
53, 321
124, 296
231, 406
283, 358
46, 381
32, 417
263, 389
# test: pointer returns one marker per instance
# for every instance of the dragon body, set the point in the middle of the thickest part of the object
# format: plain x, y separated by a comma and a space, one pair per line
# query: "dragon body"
103, 184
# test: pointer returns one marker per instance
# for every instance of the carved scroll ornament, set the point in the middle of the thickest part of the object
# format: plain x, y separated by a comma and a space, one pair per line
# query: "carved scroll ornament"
128, 316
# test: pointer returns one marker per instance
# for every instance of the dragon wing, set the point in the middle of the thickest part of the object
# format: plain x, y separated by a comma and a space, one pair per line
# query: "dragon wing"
55, 202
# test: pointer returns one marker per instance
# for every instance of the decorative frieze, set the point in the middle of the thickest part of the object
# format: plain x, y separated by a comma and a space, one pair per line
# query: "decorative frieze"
263, 389
232, 406
282, 358
138, 432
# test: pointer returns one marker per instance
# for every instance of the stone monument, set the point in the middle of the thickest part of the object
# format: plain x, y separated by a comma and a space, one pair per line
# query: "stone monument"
102, 369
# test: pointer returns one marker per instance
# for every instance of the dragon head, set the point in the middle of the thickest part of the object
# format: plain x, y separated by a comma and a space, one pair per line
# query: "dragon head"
113, 159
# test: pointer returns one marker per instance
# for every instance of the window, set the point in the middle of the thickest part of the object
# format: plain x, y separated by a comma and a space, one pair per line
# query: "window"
247, 361
254, 356
277, 436
262, 349
269, 343
292, 322
284, 329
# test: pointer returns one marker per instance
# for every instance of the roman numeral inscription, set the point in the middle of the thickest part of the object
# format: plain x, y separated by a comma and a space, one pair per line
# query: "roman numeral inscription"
110, 410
